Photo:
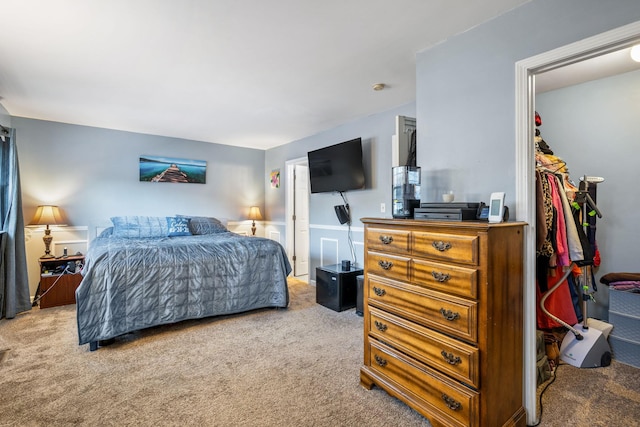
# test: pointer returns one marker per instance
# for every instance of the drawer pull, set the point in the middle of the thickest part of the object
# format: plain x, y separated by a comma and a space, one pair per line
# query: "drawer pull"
379, 292
450, 358
440, 277
380, 361
380, 326
441, 246
385, 264
451, 403
449, 315
386, 239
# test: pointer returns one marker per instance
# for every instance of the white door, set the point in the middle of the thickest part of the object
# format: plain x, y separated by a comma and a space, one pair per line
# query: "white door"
301, 220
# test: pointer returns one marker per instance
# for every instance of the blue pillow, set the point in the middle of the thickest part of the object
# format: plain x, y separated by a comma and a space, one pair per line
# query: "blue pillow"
178, 226
139, 226
205, 225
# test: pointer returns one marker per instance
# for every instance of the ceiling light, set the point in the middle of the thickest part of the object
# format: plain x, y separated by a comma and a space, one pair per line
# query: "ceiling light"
379, 86
635, 53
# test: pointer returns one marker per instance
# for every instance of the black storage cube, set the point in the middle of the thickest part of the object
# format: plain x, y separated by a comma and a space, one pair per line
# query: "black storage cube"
360, 296
336, 288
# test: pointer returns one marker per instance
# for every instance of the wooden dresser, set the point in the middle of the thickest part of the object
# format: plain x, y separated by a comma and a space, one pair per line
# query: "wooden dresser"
443, 318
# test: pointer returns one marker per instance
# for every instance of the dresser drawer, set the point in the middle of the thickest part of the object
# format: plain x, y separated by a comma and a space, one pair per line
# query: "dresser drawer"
445, 313
446, 278
387, 265
446, 354
449, 247
447, 401
388, 240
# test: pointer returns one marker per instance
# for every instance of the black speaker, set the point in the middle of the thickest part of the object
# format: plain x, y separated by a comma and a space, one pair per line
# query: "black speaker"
342, 212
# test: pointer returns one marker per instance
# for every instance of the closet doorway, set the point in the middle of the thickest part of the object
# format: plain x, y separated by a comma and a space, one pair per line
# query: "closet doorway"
297, 216
526, 72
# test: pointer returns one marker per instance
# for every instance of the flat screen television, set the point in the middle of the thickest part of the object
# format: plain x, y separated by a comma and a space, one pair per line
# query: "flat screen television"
337, 167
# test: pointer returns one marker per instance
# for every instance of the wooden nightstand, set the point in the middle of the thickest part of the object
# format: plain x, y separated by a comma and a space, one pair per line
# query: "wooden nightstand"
64, 285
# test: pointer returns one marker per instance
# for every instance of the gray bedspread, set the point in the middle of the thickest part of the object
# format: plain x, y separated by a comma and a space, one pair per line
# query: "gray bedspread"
131, 284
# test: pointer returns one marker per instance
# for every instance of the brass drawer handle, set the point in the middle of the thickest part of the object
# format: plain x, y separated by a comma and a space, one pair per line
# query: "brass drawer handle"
451, 403
386, 239
450, 358
380, 361
440, 277
441, 246
385, 264
378, 291
449, 315
380, 326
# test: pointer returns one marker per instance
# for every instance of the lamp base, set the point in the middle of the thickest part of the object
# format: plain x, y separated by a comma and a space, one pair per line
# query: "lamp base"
47, 243
253, 228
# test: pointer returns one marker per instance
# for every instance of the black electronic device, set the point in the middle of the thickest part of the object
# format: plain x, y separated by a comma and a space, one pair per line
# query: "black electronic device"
483, 212
342, 212
455, 211
405, 191
67, 267
337, 168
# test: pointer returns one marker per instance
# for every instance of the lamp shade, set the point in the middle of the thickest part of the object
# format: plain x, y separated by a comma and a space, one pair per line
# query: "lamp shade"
47, 215
254, 213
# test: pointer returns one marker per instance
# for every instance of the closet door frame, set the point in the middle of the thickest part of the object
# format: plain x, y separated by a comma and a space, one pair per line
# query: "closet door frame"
526, 71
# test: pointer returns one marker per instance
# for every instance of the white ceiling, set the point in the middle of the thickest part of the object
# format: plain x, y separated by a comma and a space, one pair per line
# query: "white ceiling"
251, 73
602, 66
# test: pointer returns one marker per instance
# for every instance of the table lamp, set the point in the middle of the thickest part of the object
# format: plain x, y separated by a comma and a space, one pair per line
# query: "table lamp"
47, 215
254, 213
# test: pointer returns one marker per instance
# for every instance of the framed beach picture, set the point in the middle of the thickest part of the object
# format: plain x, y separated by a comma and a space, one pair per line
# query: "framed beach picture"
171, 169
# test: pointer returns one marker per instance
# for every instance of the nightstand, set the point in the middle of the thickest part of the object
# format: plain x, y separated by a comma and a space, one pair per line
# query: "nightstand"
59, 288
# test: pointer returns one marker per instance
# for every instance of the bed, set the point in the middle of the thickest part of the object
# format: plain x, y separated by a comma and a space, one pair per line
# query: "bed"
149, 271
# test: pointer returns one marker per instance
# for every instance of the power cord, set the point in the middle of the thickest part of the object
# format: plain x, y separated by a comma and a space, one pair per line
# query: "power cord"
66, 271
354, 259
551, 381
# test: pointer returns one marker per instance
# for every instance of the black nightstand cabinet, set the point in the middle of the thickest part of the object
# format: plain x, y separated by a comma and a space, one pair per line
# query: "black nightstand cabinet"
336, 288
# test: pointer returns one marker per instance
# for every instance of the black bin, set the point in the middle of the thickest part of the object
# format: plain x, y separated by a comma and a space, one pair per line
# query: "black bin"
360, 295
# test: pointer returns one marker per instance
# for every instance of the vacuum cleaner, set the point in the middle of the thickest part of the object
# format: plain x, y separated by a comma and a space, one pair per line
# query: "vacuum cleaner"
585, 345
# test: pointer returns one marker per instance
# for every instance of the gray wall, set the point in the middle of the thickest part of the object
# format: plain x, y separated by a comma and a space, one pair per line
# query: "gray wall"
466, 126
376, 132
93, 174
466, 95
593, 127
466, 91
465, 104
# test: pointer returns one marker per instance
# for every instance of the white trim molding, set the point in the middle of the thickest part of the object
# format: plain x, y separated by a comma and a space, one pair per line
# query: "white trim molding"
323, 241
275, 235
526, 70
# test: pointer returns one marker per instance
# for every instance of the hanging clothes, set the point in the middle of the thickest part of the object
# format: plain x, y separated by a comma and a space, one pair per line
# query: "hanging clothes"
560, 303
560, 239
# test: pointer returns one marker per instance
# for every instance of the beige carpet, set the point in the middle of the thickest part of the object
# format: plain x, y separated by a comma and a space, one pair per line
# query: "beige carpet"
597, 397
293, 367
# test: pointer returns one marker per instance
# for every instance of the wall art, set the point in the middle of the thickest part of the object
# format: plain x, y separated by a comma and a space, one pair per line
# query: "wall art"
275, 178
170, 169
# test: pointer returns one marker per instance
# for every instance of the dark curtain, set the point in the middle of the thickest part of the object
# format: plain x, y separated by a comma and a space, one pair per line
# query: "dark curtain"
14, 283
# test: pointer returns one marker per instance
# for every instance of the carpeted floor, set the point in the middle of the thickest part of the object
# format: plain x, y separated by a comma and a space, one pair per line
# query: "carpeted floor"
292, 367
597, 397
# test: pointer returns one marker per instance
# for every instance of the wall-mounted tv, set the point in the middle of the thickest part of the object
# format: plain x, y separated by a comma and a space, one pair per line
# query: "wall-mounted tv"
337, 167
